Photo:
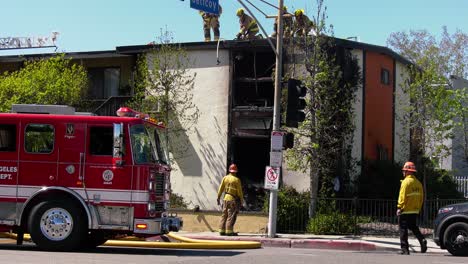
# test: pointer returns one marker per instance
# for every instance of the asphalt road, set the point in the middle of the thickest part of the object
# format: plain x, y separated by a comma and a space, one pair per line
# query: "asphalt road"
29, 253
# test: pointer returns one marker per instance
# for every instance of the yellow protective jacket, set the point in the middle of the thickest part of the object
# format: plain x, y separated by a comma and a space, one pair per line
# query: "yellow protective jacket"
411, 195
232, 187
247, 24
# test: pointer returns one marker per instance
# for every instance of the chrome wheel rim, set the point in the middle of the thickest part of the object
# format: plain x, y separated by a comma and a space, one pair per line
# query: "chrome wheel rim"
56, 224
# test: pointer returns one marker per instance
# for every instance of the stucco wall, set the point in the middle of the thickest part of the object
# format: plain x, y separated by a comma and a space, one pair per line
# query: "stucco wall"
196, 176
458, 160
402, 134
356, 152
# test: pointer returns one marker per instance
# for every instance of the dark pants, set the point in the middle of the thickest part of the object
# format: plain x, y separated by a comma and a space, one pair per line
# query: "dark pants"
209, 24
408, 221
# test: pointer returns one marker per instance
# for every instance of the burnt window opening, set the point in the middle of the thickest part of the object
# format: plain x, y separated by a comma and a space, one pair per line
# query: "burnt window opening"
260, 94
7, 138
251, 155
253, 79
101, 141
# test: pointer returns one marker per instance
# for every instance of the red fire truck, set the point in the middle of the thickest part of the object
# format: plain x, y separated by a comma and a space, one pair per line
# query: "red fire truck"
73, 181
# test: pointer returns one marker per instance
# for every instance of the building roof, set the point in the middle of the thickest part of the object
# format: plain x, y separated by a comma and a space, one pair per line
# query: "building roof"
73, 55
259, 44
123, 51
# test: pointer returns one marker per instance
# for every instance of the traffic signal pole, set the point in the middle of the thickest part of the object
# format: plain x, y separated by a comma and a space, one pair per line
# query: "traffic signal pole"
276, 114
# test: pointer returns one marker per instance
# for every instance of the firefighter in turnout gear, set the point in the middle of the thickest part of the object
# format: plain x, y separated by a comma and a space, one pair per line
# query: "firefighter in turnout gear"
302, 24
233, 199
211, 21
410, 201
287, 24
248, 26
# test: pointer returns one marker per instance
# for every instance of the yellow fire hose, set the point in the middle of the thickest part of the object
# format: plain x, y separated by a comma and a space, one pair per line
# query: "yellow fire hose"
186, 243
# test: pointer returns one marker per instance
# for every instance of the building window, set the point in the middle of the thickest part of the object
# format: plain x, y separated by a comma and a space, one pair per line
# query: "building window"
385, 76
7, 138
39, 138
101, 141
103, 82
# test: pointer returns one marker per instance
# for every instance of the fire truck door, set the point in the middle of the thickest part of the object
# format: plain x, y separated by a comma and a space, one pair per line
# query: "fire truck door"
72, 155
106, 181
37, 157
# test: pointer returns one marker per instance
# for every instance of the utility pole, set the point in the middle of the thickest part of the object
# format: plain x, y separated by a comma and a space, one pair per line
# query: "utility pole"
276, 113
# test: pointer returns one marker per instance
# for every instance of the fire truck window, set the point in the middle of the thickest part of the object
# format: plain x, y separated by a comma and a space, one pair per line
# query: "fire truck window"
101, 141
39, 138
7, 138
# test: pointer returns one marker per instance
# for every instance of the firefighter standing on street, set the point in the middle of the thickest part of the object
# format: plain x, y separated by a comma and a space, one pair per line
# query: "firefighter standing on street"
233, 199
211, 21
287, 24
302, 24
410, 201
248, 25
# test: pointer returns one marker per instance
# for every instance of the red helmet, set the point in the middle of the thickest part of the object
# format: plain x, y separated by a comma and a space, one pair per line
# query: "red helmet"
233, 168
409, 166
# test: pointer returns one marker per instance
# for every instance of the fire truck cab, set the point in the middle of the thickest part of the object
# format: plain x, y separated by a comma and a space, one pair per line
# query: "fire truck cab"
73, 181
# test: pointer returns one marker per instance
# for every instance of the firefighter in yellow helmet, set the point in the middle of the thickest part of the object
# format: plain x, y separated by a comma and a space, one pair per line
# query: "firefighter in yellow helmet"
248, 26
302, 24
211, 21
287, 24
410, 201
233, 199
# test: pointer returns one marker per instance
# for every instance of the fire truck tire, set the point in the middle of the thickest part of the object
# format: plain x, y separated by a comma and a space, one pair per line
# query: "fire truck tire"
95, 239
57, 225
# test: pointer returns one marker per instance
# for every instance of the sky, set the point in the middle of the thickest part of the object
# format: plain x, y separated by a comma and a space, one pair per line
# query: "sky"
98, 25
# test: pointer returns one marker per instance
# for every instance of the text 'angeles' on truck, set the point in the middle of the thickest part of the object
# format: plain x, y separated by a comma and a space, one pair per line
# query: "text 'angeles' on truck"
74, 181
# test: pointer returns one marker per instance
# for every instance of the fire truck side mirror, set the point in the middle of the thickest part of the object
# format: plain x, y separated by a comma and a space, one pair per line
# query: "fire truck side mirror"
118, 148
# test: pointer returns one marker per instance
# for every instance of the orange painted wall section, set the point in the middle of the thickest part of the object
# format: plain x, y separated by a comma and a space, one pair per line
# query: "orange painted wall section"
378, 126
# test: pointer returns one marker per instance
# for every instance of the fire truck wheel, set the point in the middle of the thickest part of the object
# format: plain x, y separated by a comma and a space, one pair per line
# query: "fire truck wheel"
95, 239
57, 225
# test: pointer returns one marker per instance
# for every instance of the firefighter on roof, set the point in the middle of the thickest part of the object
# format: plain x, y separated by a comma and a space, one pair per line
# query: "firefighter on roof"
233, 199
248, 25
302, 24
211, 21
287, 24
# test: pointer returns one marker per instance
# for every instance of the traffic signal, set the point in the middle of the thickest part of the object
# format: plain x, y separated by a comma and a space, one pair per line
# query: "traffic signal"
288, 141
296, 103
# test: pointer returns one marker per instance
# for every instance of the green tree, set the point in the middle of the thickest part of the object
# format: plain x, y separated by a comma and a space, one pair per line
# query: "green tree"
54, 80
323, 141
164, 88
433, 110
449, 53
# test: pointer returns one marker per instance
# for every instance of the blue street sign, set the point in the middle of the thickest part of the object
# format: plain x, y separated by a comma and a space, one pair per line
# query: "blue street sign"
209, 6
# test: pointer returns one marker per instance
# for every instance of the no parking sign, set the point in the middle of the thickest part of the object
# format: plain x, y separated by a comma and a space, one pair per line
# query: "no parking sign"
272, 178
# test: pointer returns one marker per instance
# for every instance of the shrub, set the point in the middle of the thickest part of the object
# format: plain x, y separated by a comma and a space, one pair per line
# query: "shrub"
292, 210
177, 201
381, 180
332, 224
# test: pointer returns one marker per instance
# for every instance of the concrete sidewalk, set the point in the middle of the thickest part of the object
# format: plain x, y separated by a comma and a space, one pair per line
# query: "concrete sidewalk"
355, 243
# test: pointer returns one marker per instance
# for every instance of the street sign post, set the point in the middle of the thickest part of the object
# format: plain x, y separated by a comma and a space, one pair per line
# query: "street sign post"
276, 158
277, 141
272, 178
209, 6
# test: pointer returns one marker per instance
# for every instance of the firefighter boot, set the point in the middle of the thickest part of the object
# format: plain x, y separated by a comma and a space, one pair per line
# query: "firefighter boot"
404, 251
423, 245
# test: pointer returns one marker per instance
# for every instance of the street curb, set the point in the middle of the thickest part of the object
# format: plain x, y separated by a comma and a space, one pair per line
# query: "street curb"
302, 243
331, 244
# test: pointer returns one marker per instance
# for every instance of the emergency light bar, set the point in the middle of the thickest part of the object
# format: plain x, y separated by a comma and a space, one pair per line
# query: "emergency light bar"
128, 112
